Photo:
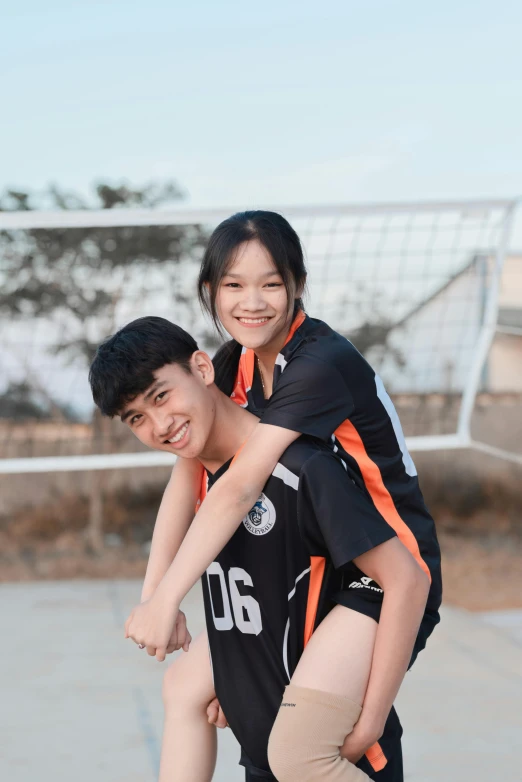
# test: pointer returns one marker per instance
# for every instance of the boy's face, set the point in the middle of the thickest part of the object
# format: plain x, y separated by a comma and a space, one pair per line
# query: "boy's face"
176, 412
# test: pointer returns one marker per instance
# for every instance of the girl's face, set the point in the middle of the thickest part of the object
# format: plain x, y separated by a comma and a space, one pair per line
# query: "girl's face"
252, 302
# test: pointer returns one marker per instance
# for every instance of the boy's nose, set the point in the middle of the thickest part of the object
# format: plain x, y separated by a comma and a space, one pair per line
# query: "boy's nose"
163, 423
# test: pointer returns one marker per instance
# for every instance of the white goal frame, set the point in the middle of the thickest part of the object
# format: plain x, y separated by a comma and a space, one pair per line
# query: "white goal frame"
461, 439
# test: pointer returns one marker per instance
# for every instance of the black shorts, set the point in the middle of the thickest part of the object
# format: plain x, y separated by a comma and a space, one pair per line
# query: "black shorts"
370, 604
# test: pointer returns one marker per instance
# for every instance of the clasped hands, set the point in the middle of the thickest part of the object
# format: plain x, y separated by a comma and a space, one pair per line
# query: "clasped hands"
158, 627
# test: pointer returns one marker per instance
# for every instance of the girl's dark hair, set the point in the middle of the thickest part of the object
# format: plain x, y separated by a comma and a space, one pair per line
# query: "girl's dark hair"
124, 364
279, 238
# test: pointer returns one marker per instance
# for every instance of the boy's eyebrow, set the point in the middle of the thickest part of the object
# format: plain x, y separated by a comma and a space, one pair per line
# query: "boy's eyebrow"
152, 390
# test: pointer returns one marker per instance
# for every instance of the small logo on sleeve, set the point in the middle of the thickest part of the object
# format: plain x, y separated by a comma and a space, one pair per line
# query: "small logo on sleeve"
261, 518
365, 583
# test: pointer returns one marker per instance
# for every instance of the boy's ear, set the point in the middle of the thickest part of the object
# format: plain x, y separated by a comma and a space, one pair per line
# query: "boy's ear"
202, 366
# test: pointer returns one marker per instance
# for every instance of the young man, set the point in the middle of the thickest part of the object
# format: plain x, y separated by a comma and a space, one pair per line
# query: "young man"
312, 536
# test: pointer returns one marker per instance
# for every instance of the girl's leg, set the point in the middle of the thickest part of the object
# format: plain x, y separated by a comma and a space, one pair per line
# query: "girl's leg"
189, 747
338, 657
322, 703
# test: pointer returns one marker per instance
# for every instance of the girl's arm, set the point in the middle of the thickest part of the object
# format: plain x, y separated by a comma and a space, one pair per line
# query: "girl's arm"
173, 520
406, 589
220, 514
224, 508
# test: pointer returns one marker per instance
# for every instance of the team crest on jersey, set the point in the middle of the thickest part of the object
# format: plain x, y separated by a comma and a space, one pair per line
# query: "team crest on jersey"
261, 518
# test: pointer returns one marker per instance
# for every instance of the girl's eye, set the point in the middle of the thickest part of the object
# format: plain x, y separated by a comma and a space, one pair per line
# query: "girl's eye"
232, 285
274, 284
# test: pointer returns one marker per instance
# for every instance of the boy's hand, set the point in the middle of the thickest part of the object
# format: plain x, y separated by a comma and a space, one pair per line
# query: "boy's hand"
152, 624
358, 742
181, 638
215, 714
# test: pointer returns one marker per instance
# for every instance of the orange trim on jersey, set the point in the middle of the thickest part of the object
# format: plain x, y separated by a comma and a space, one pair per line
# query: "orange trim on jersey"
202, 490
376, 757
317, 565
244, 378
352, 443
298, 320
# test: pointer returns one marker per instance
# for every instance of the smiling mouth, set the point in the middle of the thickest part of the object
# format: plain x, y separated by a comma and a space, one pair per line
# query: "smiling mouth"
253, 321
179, 435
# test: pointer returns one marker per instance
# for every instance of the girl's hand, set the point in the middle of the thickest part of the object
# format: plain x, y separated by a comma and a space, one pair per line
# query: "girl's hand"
153, 625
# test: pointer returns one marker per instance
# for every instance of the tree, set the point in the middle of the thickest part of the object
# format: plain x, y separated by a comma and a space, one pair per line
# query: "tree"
79, 283
21, 401
372, 314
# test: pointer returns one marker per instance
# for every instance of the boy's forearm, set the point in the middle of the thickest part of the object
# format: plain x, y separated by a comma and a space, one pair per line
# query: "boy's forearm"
401, 615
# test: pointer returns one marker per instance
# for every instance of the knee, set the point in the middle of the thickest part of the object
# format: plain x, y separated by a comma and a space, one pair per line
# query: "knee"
308, 732
180, 690
286, 755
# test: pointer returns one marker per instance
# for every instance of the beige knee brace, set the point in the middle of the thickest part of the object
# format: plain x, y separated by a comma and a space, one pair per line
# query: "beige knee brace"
309, 729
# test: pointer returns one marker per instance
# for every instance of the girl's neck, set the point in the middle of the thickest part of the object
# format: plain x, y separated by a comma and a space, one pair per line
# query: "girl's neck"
266, 373
266, 358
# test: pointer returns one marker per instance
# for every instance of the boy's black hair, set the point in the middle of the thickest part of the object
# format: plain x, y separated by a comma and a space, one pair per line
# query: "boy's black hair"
124, 364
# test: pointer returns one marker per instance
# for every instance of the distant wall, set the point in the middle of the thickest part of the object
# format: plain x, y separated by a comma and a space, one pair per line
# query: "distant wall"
456, 483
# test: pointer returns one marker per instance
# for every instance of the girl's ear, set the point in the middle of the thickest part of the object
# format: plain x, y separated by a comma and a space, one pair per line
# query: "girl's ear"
202, 366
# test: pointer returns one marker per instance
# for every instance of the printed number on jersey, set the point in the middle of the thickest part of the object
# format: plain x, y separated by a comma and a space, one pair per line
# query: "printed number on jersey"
233, 608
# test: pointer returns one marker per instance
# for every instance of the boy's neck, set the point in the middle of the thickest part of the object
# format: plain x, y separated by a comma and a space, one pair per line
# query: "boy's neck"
232, 426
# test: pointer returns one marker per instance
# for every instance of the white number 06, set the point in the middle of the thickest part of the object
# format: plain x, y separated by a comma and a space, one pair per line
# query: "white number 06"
241, 604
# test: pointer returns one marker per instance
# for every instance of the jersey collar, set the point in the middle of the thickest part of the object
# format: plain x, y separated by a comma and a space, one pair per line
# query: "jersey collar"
248, 357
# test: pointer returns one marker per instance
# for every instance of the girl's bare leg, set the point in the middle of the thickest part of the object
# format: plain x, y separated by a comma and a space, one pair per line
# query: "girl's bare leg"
189, 747
323, 702
338, 657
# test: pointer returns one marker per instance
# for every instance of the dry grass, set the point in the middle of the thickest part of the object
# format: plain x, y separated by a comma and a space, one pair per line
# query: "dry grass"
482, 574
479, 573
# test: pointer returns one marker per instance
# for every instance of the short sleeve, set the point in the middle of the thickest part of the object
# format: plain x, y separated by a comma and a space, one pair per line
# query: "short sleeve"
335, 512
310, 397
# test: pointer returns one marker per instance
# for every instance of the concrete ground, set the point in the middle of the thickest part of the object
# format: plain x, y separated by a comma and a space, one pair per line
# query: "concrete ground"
80, 703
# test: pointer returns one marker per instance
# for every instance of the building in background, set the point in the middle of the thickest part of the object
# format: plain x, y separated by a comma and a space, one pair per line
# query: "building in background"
430, 350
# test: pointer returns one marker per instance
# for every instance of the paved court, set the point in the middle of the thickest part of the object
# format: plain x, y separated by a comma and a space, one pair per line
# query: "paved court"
80, 703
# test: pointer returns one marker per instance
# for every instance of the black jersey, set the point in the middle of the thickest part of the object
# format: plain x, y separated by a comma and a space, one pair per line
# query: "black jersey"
324, 388
273, 583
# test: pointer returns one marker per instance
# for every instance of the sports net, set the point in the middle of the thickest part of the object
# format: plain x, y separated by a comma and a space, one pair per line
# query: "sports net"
415, 287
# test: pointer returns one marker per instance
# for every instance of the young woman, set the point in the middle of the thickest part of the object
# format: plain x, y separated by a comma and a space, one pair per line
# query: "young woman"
301, 378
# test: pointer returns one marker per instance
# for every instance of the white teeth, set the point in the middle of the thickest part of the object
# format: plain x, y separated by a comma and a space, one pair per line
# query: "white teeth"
253, 320
179, 435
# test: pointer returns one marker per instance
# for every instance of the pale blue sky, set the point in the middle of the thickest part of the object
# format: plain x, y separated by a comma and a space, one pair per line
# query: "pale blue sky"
266, 102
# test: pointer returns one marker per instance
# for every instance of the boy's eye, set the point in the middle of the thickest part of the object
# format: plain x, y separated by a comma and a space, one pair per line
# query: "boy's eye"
134, 419
160, 395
